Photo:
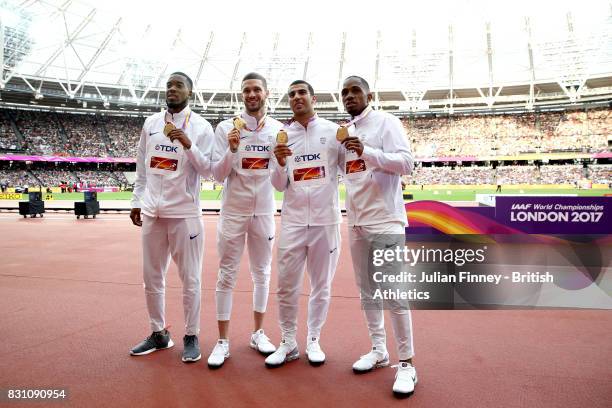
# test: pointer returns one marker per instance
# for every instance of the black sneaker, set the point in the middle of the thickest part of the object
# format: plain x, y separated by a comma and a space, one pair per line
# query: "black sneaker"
156, 341
191, 351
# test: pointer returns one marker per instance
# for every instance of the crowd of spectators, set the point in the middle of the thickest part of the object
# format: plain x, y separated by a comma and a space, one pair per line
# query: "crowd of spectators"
442, 136
451, 175
84, 136
516, 175
601, 174
504, 175
101, 178
41, 133
8, 138
571, 174
50, 133
17, 178
568, 173
62, 178
495, 135
55, 178
124, 133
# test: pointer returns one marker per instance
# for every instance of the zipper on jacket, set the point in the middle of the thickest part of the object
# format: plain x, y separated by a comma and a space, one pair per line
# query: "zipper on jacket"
256, 178
307, 151
353, 205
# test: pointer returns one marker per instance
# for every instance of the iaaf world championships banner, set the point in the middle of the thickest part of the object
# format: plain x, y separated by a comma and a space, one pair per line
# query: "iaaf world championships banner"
526, 252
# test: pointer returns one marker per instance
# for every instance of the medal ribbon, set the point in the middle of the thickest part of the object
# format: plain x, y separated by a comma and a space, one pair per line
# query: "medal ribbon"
357, 118
185, 122
260, 126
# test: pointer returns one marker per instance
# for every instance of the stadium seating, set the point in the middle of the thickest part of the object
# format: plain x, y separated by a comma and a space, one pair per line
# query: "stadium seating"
51, 133
495, 135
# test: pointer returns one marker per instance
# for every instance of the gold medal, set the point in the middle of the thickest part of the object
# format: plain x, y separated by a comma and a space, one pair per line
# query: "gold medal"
239, 123
282, 137
341, 134
169, 128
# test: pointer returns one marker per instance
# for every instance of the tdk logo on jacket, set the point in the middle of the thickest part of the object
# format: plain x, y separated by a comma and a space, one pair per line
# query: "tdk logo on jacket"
308, 157
164, 148
256, 148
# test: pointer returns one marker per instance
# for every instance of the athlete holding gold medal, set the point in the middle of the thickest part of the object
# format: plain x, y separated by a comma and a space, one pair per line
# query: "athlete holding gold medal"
241, 159
376, 155
174, 151
305, 168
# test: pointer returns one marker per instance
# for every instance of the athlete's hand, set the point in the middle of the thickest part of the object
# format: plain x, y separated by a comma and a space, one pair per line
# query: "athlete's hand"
354, 144
233, 138
281, 151
178, 134
135, 217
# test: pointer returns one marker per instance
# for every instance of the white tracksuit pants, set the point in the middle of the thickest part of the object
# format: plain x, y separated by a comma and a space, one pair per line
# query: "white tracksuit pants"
183, 240
318, 247
231, 233
400, 319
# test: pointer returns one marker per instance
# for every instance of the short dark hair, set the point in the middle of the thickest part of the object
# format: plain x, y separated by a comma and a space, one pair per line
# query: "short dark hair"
301, 81
189, 81
360, 79
255, 75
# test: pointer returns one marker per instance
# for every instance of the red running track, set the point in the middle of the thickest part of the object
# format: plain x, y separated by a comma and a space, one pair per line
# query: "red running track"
72, 305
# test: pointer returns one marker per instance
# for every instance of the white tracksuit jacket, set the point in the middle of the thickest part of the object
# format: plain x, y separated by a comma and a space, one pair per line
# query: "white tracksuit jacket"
310, 234
167, 175
375, 205
373, 186
247, 209
245, 174
305, 203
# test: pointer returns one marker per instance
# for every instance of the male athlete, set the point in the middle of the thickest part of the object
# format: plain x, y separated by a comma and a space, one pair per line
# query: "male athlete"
305, 169
241, 162
376, 154
173, 152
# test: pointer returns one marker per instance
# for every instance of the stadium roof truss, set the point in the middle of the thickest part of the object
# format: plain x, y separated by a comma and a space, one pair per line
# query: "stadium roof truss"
73, 55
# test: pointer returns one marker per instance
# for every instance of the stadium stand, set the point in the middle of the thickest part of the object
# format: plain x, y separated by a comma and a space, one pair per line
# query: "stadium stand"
49, 133
477, 136
40, 131
85, 137
8, 138
601, 174
123, 133
495, 135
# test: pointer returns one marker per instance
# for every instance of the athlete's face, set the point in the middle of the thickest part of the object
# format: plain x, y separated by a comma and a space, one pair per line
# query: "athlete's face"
177, 91
254, 95
300, 100
354, 96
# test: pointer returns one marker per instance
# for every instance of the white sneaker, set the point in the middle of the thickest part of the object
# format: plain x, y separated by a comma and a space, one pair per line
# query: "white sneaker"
219, 354
374, 359
261, 343
405, 380
285, 352
315, 355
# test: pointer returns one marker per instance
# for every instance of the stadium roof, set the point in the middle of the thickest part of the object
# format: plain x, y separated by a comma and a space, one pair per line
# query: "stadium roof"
416, 56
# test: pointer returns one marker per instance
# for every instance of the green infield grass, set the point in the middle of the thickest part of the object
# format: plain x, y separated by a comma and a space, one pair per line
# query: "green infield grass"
441, 194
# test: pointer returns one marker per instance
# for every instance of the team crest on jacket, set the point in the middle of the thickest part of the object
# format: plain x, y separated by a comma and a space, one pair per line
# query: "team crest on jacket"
323, 140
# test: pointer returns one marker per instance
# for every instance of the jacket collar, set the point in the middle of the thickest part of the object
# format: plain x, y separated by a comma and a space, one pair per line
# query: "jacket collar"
179, 116
297, 125
251, 122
